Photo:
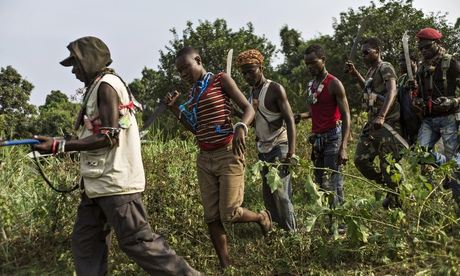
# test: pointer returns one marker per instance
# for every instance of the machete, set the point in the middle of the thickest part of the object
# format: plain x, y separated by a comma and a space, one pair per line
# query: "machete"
229, 62
356, 40
162, 106
396, 135
405, 42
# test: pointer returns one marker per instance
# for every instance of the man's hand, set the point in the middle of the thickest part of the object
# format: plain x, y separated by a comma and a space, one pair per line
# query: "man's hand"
239, 142
444, 104
46, 144
350, 68
297, 118
171, 98
411, 85
377, 123
342, 158
291, 159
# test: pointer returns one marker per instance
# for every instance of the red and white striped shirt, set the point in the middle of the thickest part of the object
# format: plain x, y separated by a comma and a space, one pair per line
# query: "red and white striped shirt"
214, 128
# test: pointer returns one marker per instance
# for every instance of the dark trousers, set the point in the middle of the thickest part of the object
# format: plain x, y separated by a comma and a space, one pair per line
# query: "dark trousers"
279, 203
377, 143
325, 152
127, 216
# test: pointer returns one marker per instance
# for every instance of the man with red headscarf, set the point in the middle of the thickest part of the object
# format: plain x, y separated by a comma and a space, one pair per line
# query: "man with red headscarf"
438, 80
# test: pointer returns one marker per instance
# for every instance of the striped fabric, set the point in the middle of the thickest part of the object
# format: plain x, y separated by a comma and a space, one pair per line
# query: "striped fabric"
213, 115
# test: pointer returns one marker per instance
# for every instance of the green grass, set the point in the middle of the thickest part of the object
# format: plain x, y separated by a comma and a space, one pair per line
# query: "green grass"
421, 238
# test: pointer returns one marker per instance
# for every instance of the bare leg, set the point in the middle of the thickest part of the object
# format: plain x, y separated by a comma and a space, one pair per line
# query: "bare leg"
219, 241
263, 219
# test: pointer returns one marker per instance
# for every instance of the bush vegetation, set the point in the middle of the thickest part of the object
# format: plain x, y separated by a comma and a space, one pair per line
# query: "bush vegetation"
422, 237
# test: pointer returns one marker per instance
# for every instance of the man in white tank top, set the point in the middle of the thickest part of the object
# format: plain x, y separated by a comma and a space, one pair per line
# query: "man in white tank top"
111, 169
275, 134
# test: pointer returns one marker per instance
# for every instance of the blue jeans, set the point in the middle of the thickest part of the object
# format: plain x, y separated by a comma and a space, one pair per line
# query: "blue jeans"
325, 155
435, 128
279, 202
445, 128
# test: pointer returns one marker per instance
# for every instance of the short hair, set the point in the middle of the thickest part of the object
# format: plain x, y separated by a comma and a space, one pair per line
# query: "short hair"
373, 42
317, 49
187, 50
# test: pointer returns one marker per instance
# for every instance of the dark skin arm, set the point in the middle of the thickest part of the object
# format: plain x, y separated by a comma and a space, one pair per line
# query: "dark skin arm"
302, 115
170, 100
351, 69
337, 91
108, 110
284, 108
231, 89
390, 98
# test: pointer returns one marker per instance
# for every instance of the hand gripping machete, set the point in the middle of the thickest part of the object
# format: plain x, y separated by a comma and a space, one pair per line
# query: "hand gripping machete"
162, 106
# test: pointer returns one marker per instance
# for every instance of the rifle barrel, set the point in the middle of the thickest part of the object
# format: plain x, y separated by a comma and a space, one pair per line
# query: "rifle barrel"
19, 142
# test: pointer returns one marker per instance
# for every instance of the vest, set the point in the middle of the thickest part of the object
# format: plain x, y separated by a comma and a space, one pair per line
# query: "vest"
112, 170
269, 126
325, 112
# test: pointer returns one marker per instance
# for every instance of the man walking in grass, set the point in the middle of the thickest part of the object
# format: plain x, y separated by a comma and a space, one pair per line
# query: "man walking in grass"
111, 169
328, 108
220, 161
275, 135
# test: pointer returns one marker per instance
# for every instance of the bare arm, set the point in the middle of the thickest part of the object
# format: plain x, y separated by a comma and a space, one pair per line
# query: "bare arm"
338, 91
170, 100
302, 115
108, 114
231, 89
351, 69
286, 112
390, 97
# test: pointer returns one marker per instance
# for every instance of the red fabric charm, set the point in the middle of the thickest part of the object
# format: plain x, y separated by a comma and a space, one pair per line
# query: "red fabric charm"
129, 106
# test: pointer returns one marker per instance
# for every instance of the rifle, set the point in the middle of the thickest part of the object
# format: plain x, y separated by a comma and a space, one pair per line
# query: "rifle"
32, 142
19, 142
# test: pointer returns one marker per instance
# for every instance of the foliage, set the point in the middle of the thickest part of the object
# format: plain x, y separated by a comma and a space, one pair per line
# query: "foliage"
56, 115
421, 237
387, 20
15, 111
219, 38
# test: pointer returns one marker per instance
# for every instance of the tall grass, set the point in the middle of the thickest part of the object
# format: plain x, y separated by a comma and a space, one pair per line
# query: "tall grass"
422, 237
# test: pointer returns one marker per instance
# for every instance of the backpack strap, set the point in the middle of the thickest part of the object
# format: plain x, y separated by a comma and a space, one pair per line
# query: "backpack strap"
445, 64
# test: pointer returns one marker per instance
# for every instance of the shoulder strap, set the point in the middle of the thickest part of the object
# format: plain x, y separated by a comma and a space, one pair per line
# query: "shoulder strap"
445, 64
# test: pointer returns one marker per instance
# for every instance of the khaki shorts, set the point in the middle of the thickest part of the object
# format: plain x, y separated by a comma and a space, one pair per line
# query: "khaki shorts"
221, 180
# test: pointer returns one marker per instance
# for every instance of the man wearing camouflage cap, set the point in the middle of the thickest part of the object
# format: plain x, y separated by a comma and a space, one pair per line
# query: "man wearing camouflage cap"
438, 79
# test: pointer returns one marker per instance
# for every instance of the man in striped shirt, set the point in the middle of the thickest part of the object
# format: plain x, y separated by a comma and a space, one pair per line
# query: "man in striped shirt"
220, 161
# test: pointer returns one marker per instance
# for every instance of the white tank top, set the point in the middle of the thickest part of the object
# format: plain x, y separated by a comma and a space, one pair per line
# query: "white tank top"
268, 137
